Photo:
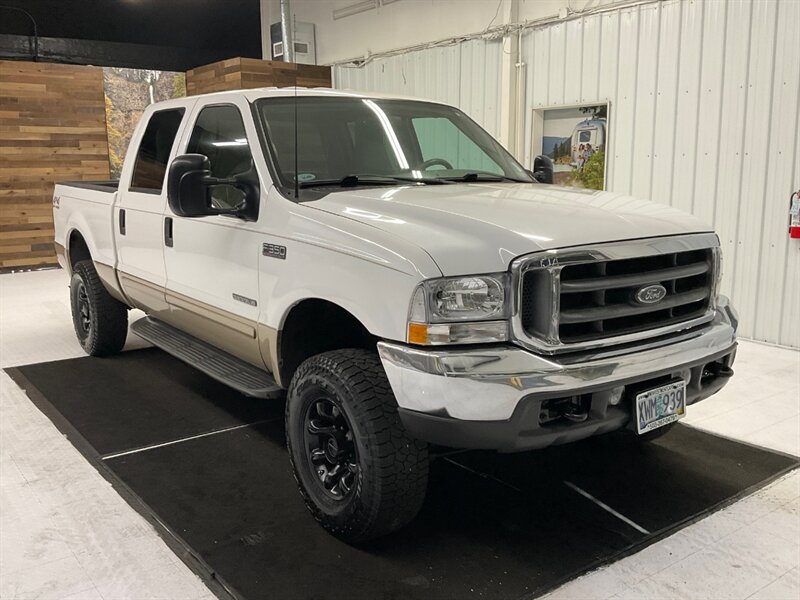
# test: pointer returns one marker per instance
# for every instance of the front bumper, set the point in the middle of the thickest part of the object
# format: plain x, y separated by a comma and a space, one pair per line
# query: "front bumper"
492, 397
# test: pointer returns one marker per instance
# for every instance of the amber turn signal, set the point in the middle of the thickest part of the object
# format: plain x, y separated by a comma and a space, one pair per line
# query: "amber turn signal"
417, 333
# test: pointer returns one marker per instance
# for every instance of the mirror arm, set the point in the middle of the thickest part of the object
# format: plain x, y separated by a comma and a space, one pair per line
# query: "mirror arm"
209, 180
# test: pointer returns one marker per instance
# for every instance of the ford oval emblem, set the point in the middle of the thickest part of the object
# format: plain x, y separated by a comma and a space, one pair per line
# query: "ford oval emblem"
651, 294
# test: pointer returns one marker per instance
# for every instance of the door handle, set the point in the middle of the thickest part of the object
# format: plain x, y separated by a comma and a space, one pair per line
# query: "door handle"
122, 221
168, 231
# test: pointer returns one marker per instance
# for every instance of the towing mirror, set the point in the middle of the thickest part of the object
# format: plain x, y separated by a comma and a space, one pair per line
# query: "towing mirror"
190, 185
543, 169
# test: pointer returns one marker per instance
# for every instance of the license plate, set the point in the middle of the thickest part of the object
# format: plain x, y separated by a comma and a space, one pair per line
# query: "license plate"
660, 406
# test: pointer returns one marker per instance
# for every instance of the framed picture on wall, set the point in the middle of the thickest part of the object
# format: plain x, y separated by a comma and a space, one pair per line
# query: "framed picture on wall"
576, 139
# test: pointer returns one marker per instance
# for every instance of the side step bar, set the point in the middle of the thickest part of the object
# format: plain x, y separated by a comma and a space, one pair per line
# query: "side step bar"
227, 369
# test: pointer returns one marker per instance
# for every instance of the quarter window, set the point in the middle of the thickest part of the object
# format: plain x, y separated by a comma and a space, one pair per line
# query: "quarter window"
154, 150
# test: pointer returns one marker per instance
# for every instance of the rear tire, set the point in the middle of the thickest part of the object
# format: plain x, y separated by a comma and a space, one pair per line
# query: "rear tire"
100, 321
360, 473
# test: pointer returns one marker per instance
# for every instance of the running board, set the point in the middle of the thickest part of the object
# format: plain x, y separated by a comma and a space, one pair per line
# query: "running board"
225, 368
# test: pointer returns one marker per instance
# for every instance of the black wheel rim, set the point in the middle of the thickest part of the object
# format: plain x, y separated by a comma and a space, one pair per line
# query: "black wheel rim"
83, 315
330, 448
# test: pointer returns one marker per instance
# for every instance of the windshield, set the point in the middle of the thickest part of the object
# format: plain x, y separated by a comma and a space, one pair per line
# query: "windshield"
348, 141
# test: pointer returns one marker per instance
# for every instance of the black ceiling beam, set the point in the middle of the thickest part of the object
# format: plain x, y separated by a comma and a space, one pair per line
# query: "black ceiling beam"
111, 54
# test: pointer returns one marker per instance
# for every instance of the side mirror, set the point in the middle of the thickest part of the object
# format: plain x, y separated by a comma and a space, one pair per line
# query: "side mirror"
543, 169
187, 191
189, 186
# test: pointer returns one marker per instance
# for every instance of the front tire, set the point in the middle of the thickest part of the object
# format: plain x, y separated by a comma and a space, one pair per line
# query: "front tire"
100, 321
360, 473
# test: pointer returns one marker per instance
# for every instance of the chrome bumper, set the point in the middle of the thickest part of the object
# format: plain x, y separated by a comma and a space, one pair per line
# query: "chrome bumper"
488, 384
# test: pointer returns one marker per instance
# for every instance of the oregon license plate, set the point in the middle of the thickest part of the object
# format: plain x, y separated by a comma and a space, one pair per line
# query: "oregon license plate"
660, 406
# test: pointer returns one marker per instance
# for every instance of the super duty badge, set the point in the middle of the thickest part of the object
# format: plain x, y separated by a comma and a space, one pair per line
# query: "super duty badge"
274, 251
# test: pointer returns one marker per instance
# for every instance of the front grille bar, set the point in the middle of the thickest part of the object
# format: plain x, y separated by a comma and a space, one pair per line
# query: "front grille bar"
621, 281
615, 311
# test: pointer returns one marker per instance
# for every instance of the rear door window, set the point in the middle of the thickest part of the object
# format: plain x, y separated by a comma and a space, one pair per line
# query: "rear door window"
154, 151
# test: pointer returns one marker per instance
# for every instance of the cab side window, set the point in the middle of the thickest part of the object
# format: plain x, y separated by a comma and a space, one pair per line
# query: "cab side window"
219, 135
154, 150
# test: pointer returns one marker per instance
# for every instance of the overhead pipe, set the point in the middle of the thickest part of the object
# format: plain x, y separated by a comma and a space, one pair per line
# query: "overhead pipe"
287, 32
35, 28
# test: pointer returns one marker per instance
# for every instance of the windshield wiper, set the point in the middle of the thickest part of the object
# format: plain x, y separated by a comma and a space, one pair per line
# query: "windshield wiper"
478, 176
356, 180
425, 180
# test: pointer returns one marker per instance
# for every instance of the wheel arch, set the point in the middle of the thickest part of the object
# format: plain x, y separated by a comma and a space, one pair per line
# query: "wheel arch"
315, 325
77, 249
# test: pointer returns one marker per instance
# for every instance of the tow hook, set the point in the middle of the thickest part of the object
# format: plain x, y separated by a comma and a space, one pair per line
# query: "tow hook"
575, 413
715, 370
574, 409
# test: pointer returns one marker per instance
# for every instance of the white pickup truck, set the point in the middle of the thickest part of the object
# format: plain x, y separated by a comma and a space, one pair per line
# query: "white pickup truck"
400, 278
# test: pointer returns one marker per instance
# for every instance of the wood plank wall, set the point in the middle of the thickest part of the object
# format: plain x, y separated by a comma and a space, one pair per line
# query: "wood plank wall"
239, 73
52, 128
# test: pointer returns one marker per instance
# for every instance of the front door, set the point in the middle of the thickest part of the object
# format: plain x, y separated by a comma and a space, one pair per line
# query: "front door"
212, 262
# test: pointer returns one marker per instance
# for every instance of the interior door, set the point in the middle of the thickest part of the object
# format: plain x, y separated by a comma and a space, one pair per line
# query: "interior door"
138, 212
212, 262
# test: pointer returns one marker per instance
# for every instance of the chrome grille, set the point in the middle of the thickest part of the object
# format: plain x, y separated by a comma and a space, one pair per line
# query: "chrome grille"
587, 297
598, 299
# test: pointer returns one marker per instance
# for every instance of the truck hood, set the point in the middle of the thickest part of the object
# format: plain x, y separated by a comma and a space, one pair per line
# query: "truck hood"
481, 227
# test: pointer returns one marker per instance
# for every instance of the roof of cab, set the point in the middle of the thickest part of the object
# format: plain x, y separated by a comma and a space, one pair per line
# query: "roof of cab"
269, 92
275, 92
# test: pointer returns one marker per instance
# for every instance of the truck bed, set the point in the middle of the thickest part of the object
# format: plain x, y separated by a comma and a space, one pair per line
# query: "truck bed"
87, 207
100, 185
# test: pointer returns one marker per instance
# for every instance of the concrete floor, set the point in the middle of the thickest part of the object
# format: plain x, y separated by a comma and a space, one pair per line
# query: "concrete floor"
65, 533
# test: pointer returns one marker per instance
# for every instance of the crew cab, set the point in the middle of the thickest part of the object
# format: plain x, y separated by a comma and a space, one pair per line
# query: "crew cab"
400, 279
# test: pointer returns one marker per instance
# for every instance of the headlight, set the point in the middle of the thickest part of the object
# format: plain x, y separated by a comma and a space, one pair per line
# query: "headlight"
467, 298
459, 310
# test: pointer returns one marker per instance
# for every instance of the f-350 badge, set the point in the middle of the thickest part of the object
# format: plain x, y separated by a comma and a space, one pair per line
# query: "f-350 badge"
274, 251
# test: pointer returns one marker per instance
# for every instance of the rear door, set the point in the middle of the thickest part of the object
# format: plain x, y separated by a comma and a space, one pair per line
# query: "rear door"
138, 214
212, 262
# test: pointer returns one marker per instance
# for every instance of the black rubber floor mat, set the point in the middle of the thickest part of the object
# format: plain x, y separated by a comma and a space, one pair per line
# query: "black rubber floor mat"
493, 526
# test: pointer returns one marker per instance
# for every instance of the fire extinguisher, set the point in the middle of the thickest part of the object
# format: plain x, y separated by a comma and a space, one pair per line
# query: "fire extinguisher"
794, 215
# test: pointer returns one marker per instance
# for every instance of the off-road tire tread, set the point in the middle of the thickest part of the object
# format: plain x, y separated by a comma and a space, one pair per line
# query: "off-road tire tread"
110, 315
398, 463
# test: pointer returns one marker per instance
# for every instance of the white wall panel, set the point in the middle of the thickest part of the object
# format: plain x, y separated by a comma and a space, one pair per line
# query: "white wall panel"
646, 100
623, 103
447, 74
752, 203
777, 315
704, 116
712, 62
665, 127
678, 184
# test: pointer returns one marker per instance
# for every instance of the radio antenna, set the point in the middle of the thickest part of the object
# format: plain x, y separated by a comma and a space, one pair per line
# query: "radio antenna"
296, 152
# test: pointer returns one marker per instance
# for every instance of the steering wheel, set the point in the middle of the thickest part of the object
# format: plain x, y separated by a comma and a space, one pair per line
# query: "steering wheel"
432, 162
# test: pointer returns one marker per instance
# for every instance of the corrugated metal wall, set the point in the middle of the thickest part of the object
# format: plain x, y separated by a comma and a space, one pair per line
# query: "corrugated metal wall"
466, 75
704, 116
